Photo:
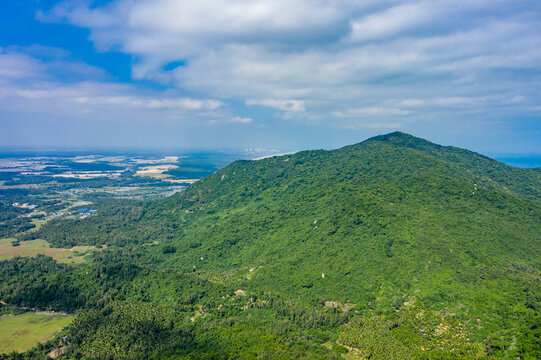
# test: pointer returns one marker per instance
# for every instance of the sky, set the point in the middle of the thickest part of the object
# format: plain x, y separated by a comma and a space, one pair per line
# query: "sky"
288, 75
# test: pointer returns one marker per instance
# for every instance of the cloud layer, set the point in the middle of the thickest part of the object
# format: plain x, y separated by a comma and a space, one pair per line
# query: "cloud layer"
344, 59
338, 64
31, 85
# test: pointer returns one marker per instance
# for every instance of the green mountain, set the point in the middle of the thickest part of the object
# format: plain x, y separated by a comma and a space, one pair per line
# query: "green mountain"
392, 248
391, 215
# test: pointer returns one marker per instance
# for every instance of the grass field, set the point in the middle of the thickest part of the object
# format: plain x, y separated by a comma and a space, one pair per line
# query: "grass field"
22, 332
37, 223
34, 247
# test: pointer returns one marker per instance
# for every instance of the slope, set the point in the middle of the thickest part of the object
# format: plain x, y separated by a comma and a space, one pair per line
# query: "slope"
371, 224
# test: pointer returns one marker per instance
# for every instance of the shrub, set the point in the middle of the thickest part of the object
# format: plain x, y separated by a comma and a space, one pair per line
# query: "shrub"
169, 249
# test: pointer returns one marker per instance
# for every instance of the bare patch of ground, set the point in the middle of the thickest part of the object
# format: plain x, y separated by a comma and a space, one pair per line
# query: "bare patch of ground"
336, 304
155, 169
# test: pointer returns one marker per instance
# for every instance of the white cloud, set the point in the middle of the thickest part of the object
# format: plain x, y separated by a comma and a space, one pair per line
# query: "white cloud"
186, 103
18, 66
285, 105
97, 96
31, 62
394, 20
371, 111
28, 85
453, 101
146, 102
316, 58
241, 120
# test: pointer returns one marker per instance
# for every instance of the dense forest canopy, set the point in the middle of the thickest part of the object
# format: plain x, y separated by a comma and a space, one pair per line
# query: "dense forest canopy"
391, 248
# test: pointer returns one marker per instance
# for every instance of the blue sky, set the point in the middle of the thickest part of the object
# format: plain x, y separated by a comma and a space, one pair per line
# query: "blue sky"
290, 75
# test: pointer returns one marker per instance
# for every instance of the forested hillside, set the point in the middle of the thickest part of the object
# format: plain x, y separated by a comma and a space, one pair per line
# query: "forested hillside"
391, 248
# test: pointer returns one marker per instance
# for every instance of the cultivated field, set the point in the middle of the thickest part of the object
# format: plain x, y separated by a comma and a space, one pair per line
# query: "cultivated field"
22, 332
34, 247
155, 171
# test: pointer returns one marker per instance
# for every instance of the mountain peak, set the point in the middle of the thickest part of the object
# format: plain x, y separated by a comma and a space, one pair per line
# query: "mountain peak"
403, 139
395, 136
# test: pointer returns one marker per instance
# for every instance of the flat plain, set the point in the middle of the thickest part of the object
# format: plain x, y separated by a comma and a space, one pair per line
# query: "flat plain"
22, 332
75, 255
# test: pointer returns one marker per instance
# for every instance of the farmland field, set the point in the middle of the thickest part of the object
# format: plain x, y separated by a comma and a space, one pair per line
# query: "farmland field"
22, 332
35, 247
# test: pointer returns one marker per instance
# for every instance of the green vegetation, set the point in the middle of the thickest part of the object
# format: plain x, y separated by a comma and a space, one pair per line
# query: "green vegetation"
391, 248
117, 218
24, 331
413, 332
12, 222
10, 248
